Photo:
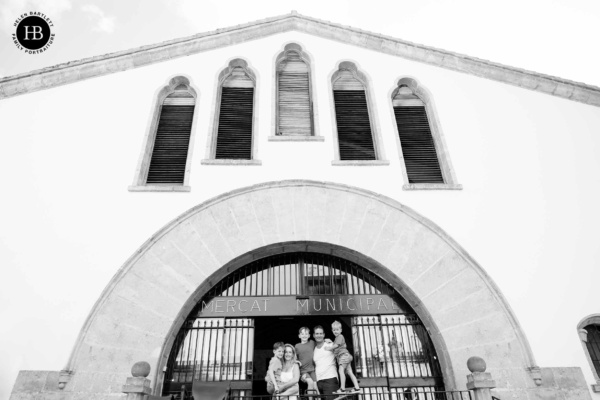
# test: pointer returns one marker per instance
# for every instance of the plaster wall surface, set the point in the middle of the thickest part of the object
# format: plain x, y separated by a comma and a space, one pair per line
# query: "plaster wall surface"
527, 212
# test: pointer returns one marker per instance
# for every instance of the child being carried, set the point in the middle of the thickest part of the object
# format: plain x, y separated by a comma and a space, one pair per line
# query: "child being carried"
273, 377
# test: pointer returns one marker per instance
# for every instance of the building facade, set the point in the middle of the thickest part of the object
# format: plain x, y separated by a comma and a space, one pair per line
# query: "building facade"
291, 172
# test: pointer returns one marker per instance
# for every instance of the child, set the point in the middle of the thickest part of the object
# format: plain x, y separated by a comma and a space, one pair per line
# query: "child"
273, 377
305, 350
344, 358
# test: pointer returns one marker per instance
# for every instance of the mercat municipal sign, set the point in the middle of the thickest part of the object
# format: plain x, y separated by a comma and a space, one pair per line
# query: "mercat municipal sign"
300, 305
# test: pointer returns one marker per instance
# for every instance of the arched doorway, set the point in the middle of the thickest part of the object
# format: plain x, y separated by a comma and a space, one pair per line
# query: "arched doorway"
142, 310
230, 332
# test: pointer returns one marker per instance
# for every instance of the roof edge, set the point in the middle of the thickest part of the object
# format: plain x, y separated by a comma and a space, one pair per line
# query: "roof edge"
74, 71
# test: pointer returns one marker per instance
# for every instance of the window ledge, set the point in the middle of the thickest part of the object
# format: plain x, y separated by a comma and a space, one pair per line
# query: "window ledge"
230, 162
281, 138
360, 163
432, 186
160, 188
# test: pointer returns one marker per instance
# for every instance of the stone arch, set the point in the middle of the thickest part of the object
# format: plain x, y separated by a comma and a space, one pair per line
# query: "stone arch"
151, 295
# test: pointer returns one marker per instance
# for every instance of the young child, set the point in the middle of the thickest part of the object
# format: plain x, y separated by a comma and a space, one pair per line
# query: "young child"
304, 351
344, 358
273, 377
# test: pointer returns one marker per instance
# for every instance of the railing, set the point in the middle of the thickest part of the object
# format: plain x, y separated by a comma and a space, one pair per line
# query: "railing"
212, 349
372, 395
367, 394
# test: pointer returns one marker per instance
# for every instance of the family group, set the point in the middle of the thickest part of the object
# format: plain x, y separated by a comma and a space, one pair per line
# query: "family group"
314, 362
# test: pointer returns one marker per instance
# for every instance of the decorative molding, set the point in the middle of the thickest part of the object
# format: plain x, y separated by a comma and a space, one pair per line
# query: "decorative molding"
160, 188
74, 71
282, 138
431, 186
213, 161
359, 163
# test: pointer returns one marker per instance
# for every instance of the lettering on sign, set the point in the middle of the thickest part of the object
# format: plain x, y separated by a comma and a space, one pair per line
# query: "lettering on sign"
233, 306
301, 305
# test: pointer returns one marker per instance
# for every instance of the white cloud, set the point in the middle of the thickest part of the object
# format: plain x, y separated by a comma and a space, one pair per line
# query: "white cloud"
11, 9
103, 22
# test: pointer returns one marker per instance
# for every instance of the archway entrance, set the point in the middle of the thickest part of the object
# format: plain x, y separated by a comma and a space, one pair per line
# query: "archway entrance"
230, 333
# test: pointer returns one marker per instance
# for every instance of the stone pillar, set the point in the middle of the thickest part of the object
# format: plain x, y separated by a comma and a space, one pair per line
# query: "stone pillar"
137, 387
479, 381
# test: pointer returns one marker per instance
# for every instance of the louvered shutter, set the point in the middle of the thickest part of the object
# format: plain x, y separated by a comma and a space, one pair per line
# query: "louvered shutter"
418, 146
295, 113
169, 154
355, 138
234, 135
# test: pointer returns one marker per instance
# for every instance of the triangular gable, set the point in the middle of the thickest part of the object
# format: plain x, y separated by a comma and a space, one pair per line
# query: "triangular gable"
120, 61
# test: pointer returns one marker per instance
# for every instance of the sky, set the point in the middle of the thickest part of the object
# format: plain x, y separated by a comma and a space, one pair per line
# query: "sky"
554, 37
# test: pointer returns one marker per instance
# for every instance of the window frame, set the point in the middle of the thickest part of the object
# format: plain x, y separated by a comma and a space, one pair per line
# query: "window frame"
211, 143
280, 57
593, 319
380, 158
141, 173
448, 174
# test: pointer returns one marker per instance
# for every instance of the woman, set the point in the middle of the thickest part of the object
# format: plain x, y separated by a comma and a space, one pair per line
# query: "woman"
289, 374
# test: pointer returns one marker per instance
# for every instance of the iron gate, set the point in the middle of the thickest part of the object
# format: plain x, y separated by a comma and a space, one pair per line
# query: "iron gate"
394, 354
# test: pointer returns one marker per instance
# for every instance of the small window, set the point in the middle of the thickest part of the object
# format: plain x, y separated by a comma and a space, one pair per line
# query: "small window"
425, 161
294, 101
418, 147
353, 120
589, 333
164, 160
233, 137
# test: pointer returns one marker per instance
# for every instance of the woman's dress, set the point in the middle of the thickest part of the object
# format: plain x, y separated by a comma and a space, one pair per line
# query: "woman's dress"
285, 377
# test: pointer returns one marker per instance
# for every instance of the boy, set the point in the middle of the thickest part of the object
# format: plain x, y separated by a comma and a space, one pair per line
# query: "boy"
275, 366
304, 351
344, 358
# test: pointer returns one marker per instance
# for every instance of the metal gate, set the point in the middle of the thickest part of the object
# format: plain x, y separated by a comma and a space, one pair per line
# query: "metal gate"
393, 351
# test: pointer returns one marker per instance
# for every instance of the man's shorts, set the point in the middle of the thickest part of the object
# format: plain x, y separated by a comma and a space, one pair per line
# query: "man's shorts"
310, 375
344, 359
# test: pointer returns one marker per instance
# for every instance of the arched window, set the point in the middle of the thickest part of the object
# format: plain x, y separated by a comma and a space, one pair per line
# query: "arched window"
426, 162
164, 164
233, 132
356, 128
294, 109
589, 333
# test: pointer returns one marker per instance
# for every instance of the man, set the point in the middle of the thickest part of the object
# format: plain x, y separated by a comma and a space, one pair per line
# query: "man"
325, 368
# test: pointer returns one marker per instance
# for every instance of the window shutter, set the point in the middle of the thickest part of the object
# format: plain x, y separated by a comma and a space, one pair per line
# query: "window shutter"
295, 113
169, 154
353, 123
418, 146
593, 345
234, 136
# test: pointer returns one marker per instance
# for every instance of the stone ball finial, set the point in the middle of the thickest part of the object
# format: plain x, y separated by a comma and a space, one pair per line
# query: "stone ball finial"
140, 369
476, 364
